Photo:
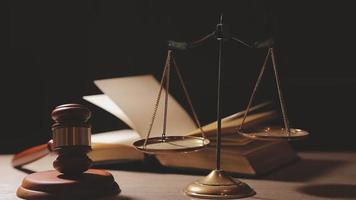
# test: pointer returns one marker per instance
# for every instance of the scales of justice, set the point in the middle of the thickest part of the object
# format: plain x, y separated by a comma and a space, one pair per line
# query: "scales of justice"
217, 184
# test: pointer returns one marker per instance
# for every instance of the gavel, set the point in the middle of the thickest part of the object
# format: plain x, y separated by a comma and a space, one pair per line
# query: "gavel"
71, 140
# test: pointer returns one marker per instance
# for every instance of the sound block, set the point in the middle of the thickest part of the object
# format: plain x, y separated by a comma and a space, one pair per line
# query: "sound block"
49, 185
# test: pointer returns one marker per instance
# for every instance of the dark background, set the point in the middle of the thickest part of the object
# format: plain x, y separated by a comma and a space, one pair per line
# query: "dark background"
53, 50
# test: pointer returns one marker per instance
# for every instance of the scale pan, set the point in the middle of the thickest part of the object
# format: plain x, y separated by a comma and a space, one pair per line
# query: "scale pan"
171, 144
274, 133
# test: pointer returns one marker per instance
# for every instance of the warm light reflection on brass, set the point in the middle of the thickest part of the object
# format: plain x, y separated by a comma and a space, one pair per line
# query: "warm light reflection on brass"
71, 136
217, 185
171, 144
274, 133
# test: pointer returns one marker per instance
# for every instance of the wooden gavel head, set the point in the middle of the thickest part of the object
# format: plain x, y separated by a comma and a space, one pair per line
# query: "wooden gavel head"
71, 134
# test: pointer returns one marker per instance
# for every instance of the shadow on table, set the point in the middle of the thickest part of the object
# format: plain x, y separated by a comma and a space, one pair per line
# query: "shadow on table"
303, 170
330, 191
299, 171
260, 198
119, 197
25, 170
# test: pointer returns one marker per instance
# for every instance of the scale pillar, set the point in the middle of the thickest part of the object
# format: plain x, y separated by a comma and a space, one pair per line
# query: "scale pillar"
217, 184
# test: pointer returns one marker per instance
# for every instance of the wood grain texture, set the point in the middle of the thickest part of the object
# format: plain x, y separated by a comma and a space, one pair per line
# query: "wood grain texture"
317, 176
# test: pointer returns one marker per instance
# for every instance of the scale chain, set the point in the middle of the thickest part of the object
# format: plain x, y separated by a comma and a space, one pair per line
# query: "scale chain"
158, 99
255, 88
284, 112
165, 81
166, 95
270, 53
185, 90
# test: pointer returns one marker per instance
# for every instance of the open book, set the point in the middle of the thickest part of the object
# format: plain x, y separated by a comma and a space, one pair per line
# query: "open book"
131, 100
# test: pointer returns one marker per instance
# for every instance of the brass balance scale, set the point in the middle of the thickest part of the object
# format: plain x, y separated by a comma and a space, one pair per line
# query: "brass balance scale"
217, 184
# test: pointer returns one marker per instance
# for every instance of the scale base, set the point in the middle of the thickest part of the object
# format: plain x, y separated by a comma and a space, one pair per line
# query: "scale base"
218, 185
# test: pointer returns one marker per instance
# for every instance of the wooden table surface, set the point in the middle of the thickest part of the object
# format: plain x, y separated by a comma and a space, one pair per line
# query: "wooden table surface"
316, 176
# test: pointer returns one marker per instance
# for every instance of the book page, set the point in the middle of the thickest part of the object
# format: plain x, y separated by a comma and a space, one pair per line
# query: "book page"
122, 137
104, 102
136, 96
115, 146
232, 124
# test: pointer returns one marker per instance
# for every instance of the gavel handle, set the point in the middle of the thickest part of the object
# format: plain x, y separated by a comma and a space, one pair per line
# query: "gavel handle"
32, 154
